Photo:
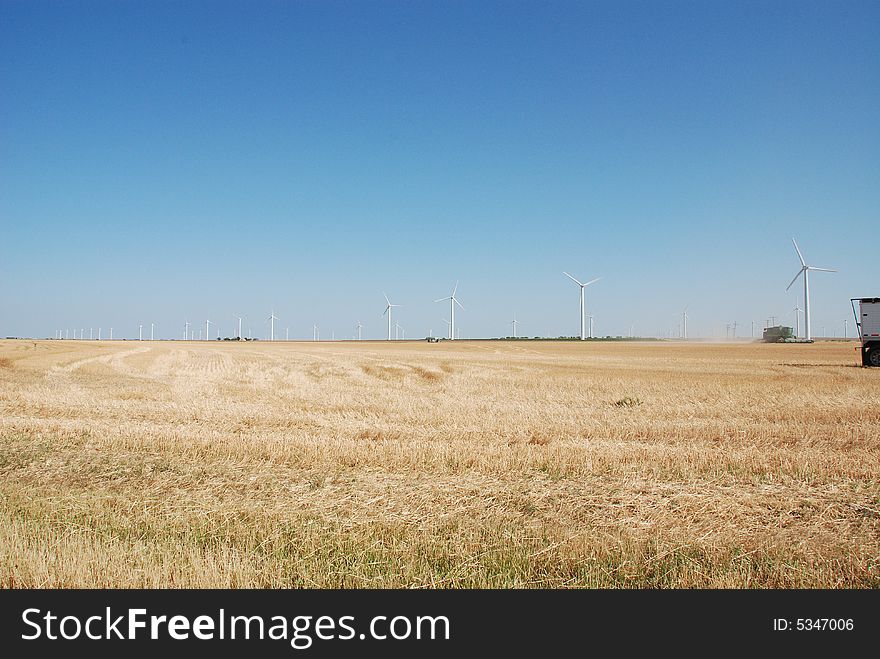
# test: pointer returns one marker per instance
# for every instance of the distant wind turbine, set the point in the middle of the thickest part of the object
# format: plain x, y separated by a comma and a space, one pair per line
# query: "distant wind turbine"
514, 323
582, 287
272, 318
239, 325
140, 332
152, 327
359, 326
452, 302
207, 330
797, 311
388, 311
805, 270
684, 323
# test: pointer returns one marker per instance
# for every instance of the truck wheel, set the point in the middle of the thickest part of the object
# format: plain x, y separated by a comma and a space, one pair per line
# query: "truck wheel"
874, 355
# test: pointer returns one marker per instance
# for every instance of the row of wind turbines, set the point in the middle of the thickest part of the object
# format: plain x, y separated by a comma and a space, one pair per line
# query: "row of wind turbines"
453, 301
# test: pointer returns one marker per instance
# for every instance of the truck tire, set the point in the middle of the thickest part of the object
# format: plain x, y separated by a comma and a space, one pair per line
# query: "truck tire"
873, 354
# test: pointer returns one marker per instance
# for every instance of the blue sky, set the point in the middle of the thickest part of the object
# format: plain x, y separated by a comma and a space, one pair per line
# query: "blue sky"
172, 161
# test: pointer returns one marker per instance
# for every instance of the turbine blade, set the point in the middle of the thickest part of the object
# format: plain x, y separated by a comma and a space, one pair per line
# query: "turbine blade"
443, 299
573, 279
593, 281
797, 249
386, 298
454, 288
795, 277
458, 303
809, 267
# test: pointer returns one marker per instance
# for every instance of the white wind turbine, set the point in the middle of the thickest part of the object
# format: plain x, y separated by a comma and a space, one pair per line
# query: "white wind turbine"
452, 302
684, 323
186, 330
797, 311
359, 326
388, 311
514, 323
805, 270
235, 315
140, 332
272, 318
582, 287
152, 328
207, 330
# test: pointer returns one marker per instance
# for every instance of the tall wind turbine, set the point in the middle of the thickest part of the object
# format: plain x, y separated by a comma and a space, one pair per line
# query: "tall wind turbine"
140, 332
272, 318
287, 334
207, 330
388, 311
186, 330
684, 323
805, 270
514, 323
152, 327
359, 326
452, 302
111, 333
582, 286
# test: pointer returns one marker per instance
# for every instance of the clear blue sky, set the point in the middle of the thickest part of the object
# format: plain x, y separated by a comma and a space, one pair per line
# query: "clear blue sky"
165, 161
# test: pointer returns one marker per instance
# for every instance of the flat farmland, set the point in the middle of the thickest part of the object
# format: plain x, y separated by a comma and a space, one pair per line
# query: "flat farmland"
465, 464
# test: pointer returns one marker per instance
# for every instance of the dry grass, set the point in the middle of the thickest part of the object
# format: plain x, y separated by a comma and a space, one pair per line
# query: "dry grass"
475, 464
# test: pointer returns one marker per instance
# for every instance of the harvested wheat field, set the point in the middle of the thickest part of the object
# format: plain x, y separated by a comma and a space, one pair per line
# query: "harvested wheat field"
407, 464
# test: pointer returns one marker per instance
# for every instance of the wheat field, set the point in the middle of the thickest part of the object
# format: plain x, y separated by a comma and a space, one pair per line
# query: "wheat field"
466, 465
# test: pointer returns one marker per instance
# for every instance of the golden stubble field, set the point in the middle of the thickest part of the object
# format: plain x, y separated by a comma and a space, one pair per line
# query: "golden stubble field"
473, 464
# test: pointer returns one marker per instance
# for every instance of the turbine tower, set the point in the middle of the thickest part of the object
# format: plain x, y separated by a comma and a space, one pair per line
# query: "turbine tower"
805, 270
359, 326
514, 323
235, 315
152, 327
684, 323
388, 311
207, 330
140, 332
582, 286
452, 302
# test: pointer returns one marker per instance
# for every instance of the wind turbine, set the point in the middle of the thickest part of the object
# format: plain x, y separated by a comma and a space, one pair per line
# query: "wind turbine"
152, 327
684, 323
805, 270
315, 335
272, 318
287, 334
140, 332
388, 311
448, 327
452, 302
239, 325
797, 327
99, 334
583, 286
514, 323
591, 324
186, 330
111, 333
207, 330
359, 326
